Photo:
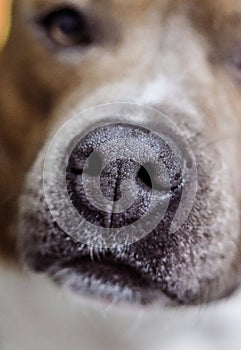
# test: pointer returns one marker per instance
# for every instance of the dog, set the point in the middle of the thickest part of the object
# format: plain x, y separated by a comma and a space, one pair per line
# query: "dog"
161, 79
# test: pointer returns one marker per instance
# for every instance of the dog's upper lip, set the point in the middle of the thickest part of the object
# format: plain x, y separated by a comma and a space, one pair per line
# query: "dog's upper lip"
105, 271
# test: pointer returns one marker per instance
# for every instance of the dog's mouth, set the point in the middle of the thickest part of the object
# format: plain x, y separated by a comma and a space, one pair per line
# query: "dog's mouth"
105, 278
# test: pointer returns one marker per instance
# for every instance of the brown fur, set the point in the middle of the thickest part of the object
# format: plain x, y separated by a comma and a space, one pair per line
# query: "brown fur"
31, 76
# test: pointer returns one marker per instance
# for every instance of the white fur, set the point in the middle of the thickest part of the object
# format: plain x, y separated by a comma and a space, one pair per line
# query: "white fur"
36, 315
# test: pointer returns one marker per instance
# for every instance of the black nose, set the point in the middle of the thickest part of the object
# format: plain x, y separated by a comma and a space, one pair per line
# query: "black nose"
114, 171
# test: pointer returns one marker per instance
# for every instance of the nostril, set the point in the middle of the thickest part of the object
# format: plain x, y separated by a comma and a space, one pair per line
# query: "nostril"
144, 176
148, 176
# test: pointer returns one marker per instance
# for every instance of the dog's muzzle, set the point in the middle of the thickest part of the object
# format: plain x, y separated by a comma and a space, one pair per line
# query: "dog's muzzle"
117, 192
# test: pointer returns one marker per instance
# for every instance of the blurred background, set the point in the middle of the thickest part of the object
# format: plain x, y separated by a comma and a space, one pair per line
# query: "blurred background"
4, 19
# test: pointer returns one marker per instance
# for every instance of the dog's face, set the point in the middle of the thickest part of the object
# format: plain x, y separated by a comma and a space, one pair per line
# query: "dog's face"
182, 59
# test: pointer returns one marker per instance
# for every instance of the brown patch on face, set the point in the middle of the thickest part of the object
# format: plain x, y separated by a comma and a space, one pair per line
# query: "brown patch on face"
220, 22
31, 76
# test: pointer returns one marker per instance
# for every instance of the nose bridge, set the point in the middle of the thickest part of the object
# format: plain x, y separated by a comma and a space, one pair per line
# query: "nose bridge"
159, 62
146, 68
141, 47
152, 50
163, 45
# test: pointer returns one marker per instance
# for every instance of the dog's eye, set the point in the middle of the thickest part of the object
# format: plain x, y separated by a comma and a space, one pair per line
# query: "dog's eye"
237, 61
66, 27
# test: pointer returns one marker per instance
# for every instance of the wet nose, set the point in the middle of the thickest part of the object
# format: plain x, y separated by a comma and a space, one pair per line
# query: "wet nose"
115, 170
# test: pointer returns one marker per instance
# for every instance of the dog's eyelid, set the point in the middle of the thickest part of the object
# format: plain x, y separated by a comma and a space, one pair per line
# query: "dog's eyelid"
58, 8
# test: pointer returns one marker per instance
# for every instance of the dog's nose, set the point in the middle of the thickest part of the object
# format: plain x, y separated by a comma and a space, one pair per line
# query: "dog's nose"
114, 171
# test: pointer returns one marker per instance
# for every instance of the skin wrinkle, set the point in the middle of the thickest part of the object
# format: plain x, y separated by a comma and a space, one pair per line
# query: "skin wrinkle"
151, 64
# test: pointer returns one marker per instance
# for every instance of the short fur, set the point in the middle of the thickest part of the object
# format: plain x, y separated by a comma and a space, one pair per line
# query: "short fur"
175, 56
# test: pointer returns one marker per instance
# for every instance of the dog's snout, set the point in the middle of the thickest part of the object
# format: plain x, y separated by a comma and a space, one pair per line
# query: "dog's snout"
114, 170
125, 200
